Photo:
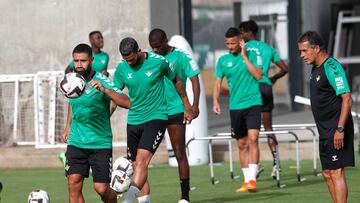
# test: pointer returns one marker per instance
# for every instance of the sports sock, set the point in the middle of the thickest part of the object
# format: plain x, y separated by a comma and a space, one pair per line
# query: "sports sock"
253, 170
144, 199
185, 188
274, 157
133, 192
246, 173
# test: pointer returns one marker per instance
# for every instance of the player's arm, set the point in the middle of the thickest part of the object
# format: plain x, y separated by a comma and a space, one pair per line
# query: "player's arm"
346, 104
112, 107
117, 97
188, 114
66, 132
338, 80
254, 71
105, 72
196, 91
283, 71
216, 94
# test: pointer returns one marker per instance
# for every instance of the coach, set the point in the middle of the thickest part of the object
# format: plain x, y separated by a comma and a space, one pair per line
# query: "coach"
331, 106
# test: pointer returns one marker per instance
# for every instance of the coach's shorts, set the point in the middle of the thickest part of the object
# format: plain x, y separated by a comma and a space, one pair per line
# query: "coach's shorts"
176, 119
332, 158
267, 97
244, 119
144, 136
79, 161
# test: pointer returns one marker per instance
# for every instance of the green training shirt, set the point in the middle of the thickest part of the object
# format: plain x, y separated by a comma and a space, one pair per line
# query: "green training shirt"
268, 55
244, 88
145, 83
90, 126
100, 62
185, 67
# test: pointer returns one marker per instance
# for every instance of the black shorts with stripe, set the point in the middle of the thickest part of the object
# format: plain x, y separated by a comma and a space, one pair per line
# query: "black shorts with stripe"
147, 136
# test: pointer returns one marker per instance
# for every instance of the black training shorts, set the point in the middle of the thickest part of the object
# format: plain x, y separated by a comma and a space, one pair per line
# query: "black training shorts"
267, 97
244, 119
144, 136
176, 119
332, 158
79, 161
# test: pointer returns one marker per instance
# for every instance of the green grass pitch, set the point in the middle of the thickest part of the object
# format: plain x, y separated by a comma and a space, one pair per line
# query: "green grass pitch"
165, 185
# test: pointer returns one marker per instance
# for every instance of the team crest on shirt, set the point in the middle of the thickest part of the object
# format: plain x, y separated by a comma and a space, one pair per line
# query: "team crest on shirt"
103, 61
229, 64
317, 78
87, 90
148, 73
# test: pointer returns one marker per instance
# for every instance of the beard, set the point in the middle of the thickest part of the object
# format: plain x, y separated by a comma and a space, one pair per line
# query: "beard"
84, 72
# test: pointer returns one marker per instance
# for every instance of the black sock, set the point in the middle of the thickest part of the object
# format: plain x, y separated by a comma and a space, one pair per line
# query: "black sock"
185, 188
274, 157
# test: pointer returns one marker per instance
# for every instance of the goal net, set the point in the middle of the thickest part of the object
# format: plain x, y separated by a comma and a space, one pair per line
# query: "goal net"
33, 111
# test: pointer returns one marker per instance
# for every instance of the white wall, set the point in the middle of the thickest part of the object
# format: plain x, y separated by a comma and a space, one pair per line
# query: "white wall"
39, 35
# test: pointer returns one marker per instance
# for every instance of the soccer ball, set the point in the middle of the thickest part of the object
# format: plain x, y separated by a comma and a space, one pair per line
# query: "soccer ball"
72, 85
120, 182
123, 164
38, 196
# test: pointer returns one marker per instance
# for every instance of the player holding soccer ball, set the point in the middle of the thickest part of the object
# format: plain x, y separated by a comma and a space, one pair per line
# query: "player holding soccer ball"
88, 131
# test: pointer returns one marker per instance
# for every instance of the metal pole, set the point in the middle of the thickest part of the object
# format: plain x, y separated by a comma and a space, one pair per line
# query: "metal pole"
296, 71
211, 163
231, 160
187, 21
16, 110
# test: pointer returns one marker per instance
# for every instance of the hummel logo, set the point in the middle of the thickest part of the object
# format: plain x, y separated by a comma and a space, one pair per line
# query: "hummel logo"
157, 140
229, 64
103, 61
148, 73
334, 158
129, 76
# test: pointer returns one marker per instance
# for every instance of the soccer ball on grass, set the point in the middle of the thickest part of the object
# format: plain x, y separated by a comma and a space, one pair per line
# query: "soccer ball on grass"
38, 196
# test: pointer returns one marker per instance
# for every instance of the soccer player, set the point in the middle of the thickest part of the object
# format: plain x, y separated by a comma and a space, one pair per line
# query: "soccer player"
101, 58
248, 31
242, 69
143, 74
88, 133
331, 106
185, 67
99, 64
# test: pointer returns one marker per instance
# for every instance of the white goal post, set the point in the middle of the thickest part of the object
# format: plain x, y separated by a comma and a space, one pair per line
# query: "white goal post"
33, 111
